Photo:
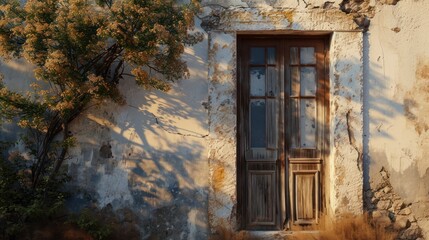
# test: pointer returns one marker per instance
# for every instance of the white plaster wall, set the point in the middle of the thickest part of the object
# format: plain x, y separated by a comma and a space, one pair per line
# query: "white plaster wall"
398, 108
223, 122
148, 156
346, 123
165, 149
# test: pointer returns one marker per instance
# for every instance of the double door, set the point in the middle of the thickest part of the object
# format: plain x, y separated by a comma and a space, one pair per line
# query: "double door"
283, 97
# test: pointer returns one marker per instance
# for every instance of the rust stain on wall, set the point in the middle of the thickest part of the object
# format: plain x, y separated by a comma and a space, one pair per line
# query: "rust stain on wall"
279, 15
238, 16
422, 71
218, 178
416, 101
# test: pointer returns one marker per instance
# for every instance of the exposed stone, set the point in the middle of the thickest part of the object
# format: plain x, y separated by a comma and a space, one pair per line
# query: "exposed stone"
384, 204
412, 218
362, 21
379, 213
411, 233
387, 189
398, 205
383, 221
401, 222
392, 211
377, 182
389, 2
378, 195
350, 6
384, 174
405, 211
347, 7
210, 22
420, 209
328, 5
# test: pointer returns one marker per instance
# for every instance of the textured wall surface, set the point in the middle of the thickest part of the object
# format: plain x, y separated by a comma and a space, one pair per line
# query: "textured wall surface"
170, 158
224, 21
146, 160
222, 123
346, 99
150, 155
397, 103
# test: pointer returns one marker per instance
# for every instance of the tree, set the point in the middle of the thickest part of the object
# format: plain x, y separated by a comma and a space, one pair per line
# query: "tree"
80, 50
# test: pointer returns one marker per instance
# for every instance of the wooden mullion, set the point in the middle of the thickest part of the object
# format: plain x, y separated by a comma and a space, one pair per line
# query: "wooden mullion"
261, 97
265, 95
262, 65
281, 136
298, 117
303, 97
257, 65
302, 65
299, 99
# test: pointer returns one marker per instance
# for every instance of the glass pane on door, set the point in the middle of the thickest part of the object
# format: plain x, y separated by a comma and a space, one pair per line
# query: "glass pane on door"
307, 55
308, 81
257, 55
257, 81
257, 123
307, 123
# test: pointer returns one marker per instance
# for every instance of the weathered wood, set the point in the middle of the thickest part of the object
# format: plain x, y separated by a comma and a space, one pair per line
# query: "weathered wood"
305, 186
306, 111
261, 197
282, 122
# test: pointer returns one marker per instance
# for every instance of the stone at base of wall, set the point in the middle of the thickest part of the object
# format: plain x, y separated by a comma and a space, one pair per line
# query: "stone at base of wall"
389, 210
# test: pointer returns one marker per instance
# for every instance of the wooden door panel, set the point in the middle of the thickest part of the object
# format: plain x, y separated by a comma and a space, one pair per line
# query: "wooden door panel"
281, 120
305, 196
305, 186
305, 114
259, 95
261, 197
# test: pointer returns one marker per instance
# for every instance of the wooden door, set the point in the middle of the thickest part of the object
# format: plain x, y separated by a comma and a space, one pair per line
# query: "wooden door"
306, 101
280, 133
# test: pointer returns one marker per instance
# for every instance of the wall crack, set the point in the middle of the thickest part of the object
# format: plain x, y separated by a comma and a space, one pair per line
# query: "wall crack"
177, 132
306, 4
158, 122
352, 141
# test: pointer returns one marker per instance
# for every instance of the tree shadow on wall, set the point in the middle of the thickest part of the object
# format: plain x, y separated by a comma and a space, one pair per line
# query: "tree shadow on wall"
149, 155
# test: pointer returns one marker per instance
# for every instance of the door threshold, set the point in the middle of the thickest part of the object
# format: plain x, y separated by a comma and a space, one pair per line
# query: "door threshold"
277, 235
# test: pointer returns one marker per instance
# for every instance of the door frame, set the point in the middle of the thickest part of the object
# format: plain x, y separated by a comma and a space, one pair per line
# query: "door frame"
283, 208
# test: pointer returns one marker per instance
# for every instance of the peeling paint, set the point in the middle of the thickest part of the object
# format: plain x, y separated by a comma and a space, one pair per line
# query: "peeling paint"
398, 100
346, 124
153, 155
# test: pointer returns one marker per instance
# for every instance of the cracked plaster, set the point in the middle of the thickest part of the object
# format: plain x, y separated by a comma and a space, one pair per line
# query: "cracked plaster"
161, 142
346, 101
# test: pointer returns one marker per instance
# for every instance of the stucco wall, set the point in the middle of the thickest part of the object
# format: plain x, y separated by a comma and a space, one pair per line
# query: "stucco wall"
170, 157
145, 160
397, 102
